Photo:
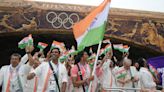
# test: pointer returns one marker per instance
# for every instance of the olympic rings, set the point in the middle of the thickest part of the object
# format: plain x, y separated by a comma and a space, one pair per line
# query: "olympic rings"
62, 19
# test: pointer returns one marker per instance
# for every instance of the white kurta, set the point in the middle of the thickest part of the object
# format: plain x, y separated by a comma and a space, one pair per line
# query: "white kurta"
44, 73
20, 71
5, 72
24, 59
146, 80
31, 85
132, 72
163, 80
69, 85
108, 78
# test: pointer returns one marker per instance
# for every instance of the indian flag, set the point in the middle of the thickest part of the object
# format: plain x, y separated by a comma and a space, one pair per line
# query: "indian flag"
153, 70
90, 30
101, 52
118, 46
106, 49
25, 42
125, 48
92, 56
59, 45
72, 51
42, 45
121, 73
106, 41
63, 58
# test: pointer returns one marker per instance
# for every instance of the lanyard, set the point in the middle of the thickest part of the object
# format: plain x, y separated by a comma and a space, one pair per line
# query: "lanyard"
11, 76
56, 78
55, 70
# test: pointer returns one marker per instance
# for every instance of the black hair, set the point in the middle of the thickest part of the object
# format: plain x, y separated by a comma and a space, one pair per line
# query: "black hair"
78, 57
141, 62
17, 55
56, 49
138, 68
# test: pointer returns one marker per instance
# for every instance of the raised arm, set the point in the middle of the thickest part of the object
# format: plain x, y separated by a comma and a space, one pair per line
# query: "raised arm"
24, 59
108, 55
29, 50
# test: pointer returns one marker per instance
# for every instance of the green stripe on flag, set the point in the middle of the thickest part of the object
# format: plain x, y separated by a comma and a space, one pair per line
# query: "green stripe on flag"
121, 75
40, 47
73, 53
62, 58
96, 33
22, 46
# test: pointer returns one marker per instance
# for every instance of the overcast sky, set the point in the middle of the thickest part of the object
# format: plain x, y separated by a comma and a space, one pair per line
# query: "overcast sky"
148, 5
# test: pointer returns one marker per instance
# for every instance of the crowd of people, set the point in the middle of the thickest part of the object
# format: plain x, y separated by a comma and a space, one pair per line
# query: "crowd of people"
40, 73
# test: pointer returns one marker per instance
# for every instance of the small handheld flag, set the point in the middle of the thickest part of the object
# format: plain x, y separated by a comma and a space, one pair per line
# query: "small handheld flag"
59, 45
42, 46
27, 41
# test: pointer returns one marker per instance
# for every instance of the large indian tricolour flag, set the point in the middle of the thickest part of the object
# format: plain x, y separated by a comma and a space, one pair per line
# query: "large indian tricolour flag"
90, 30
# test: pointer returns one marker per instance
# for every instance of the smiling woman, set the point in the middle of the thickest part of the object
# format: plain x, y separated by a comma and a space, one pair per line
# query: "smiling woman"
148, 5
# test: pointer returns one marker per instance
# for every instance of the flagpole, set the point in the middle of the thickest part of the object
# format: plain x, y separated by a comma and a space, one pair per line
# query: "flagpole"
95, 63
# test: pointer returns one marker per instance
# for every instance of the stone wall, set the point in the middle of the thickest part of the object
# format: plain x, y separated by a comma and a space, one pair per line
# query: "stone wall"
141, 28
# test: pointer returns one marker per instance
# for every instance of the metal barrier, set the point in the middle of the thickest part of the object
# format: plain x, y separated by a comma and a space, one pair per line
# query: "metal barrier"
123, 89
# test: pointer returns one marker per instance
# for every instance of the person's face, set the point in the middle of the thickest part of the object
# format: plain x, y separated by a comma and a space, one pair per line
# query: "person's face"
127, 65
136, 65
14, 60
85, 56
109, 54
55, 53
145, 62
36, 63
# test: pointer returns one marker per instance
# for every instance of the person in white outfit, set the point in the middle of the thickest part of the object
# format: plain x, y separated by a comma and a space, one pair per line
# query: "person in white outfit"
69, 84
12, 77
127, 75
52, 75
31, 85
146, 79
108, 77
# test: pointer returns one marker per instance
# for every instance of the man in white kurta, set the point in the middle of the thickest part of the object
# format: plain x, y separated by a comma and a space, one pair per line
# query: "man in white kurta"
108, 77
127, 75
45, 74
146, 80
31, 85
12, 76
46, 80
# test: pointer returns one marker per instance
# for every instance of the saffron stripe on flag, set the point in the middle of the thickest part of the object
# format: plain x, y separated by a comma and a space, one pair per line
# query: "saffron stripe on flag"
90, 30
